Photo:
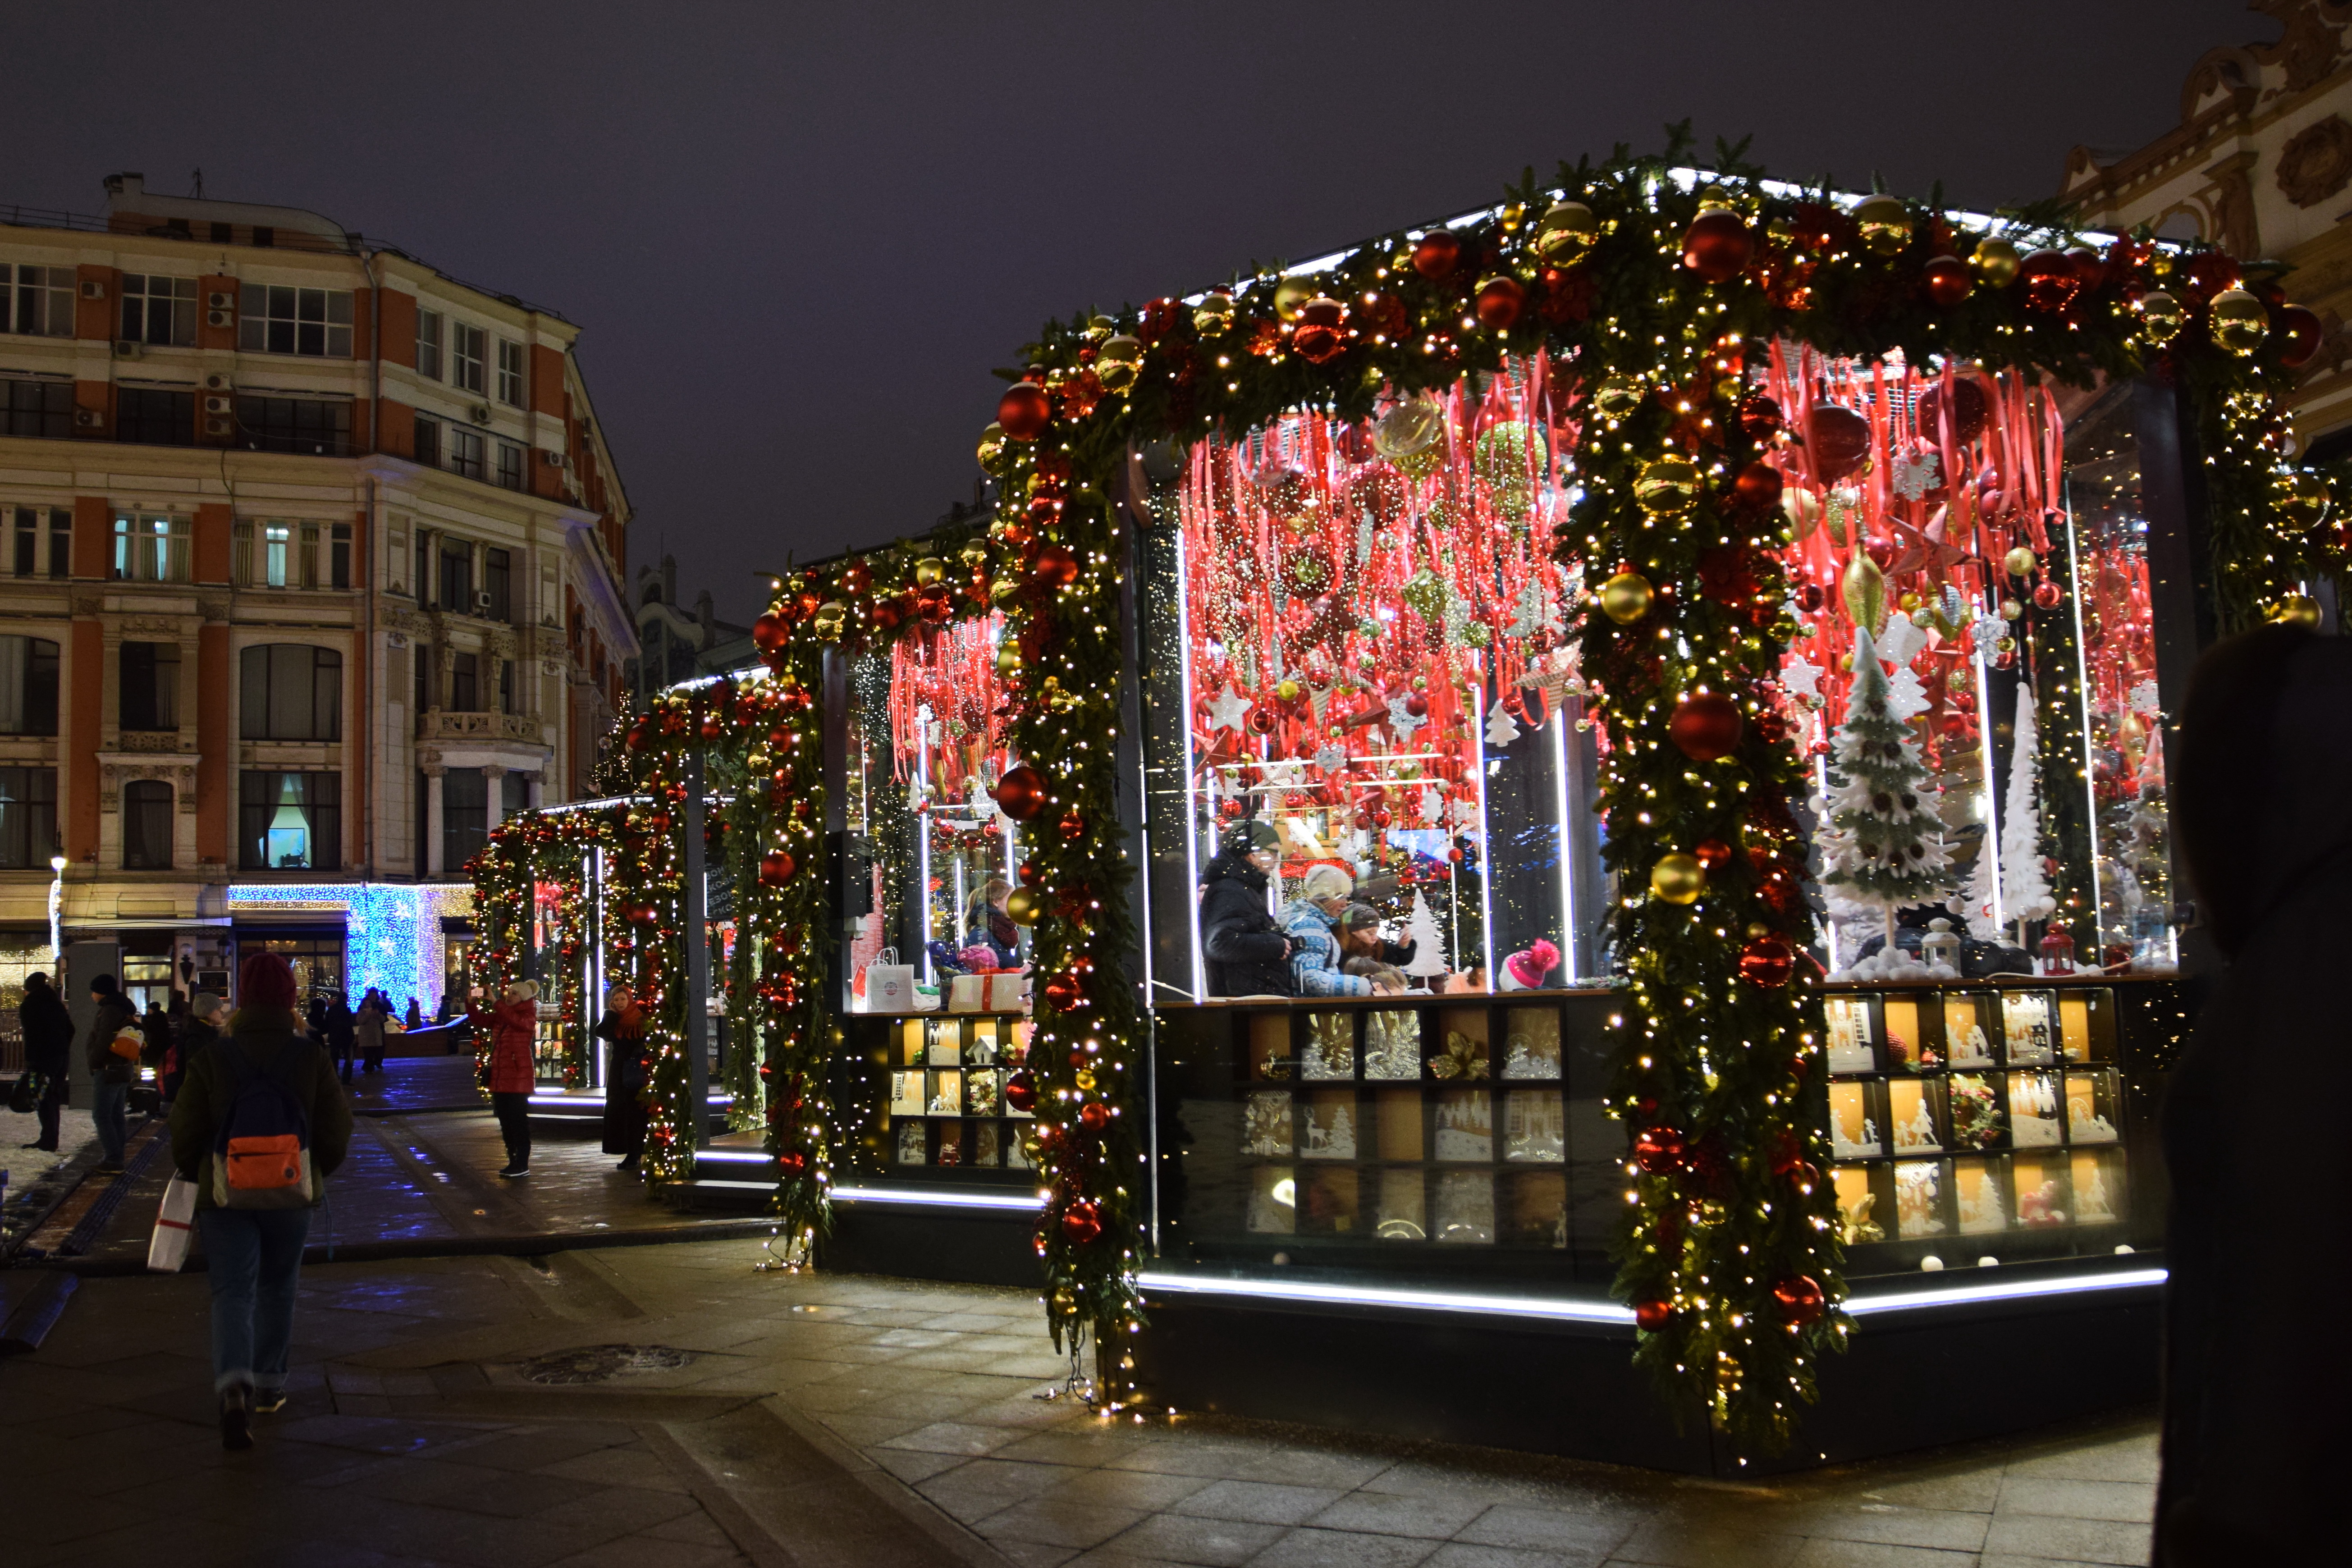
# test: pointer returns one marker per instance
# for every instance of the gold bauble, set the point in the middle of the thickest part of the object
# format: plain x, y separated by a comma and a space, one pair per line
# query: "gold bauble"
1566, 234
1716, 199
1863, 589
2011, 609
1995, 261
1214, 315
1625, 598
1004, 591
1802, 508
2301, 500
1008, 660
1024, 905
2298, 610
1617, 395
1101, 327
930, 569
2019, 563
2005, 645
2239, 322
1085, 1079
1412, 437
1291, 296
1118, 362
1677, 878
1668, 485
2160, 316
991, 451
829, 619
1885, 224
1909, 602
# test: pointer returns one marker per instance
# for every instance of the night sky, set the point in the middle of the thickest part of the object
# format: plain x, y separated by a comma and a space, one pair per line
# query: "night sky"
798, 237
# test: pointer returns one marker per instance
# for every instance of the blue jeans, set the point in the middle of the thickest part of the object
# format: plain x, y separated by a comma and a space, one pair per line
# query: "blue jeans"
255, 1257
109, 1110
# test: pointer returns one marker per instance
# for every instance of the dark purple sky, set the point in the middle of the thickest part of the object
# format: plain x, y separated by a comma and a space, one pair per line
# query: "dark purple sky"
799, 236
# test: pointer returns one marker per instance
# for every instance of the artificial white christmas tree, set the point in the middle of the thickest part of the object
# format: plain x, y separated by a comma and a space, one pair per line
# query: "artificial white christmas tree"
1977, 900
1884, 845
1428, 960
2024, 892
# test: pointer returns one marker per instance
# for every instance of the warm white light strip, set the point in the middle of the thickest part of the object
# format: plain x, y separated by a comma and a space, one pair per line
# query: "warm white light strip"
944, 1197
2007, 1290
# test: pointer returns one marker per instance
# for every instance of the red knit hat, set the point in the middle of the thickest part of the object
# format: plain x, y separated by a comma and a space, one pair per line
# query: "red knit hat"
263, 980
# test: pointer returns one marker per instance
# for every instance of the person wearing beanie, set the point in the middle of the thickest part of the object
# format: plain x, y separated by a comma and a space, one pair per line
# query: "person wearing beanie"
254, 1256
1311, 922
514, 1026
1359, 936
111, 1074
1242, 950
48, 1032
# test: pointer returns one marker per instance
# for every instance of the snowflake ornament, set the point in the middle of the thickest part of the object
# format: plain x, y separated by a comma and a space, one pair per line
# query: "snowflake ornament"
1913, 473
2143, 700
1987, 630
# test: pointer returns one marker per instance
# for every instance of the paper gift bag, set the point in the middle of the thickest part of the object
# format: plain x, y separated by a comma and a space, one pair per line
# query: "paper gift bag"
167, 1249
889, 986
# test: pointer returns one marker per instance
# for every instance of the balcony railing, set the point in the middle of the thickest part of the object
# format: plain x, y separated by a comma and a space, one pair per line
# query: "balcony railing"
439, 725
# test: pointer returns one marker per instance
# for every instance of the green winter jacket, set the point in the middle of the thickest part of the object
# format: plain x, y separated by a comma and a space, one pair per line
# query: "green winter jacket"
264, 1035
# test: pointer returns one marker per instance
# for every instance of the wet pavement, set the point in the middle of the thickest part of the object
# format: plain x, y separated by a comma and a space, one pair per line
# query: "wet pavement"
409, 1084
669, 1405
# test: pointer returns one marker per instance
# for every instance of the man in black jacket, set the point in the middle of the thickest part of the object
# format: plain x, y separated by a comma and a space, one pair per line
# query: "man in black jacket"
48, 1050
111, 1074
1242, 947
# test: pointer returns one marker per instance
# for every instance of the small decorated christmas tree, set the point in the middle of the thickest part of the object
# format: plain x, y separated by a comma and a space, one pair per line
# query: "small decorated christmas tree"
1884, 847
1428, 960
2024, 892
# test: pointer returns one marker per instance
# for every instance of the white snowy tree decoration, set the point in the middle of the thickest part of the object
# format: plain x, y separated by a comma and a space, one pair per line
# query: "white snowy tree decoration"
1500, 730
2024, 892
1976, 893
1883, 846
1428, 960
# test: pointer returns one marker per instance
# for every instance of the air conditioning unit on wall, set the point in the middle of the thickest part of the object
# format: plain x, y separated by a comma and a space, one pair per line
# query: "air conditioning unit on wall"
220, 301
555, 459
220, 318
216, 405
89, 418
216, 383
129, 348
479, 412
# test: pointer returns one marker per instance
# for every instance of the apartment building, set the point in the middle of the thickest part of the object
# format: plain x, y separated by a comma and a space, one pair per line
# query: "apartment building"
310, 571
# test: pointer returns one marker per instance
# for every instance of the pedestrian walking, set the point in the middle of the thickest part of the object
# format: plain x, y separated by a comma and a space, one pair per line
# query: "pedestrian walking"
342, 1034
376, 1011
155, 1055
205, 1014
110, 1072
47, 1028
414, 1018
626, 1072
259, 1126
514, 1024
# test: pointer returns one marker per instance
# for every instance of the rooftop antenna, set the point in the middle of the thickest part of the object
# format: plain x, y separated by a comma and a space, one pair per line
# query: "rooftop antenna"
196, 179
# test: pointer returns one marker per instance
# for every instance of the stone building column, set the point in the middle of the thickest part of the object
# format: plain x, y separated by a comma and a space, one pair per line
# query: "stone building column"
432, 771
494, 790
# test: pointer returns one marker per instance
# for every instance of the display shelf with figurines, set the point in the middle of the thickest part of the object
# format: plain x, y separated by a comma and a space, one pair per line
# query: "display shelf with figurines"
940, 1094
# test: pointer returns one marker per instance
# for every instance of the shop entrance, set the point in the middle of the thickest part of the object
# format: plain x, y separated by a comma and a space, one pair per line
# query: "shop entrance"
316, 956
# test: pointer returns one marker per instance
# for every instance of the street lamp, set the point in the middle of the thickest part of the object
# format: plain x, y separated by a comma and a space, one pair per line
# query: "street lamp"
56, 907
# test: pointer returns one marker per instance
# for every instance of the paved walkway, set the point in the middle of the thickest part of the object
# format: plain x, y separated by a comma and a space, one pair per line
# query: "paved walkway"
670, 1405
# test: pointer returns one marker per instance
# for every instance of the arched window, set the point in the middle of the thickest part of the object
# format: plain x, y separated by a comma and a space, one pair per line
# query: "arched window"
292, 691
147, 825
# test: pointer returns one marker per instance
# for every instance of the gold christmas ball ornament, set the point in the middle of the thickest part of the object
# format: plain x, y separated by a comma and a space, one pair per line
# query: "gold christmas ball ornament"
1004, 591
1995, 262
1625, 597
2239, 322
2160, 316
1024, 905
974, 554
930, 569
1566, 234
1412, 437
1668, 485
1617, 395
2011, 609
991, 447
1677, 878
1099, 328
1802, 508
2300, 500
1008, 660
1716, 199
1291, 296
2298, 610
1214, 315
1118, 362
2019, 563
1885, 222
830, 619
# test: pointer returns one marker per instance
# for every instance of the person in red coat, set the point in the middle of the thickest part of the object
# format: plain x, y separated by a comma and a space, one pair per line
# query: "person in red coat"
514, 1022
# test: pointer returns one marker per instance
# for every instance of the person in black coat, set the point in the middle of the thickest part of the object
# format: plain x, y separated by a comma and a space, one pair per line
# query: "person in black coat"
343, 1034
2257, 1373
48, 1050
1241, 943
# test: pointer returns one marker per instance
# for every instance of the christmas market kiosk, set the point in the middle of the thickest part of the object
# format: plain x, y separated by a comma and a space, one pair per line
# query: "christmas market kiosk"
1568, 803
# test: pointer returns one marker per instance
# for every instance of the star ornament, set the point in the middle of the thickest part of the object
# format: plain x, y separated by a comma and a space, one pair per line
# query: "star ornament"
1924, 552
1227, 710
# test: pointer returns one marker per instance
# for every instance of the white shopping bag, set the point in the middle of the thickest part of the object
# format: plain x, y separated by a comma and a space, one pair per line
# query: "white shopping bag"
167, 1249
889, 986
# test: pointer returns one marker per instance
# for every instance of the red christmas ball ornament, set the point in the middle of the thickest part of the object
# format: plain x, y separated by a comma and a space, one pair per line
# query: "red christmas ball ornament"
1260, 721
1945, 281
2299, 333
1073, 827
857, 577
1417, 705
792, 1162
1970, 411
1064, 991
1880, 551
2045, 595
711, 727
768, 632
776, 867
1500, 301
1705, 726
1021, 1091
1321, 332
1760, 418
1094, 1115
1054, 565
1758, 485
888, 615
2209, 272
1712, 853
1810, 597
2048, 280
1024, 411
1800, 1299
1436, 253
1082, 1222
1836, 441
1021, 793
1767, 963
1651, 1316
1717, 245
1031, 874
1657, 1150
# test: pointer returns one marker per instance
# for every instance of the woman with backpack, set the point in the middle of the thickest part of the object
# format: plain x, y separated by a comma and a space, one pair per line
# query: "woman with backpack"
259, 1124
512, 1075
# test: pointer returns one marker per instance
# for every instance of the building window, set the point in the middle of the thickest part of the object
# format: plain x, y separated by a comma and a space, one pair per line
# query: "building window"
28, 817
146, 826
510, 373
498, 575
290, 821
423, 656
314, 427
339, 555
150, 686
428, 344
159, 309
468, 346
25, 543
465, 452
506, 686
29, 685
509, 465
38, 301
465, 817
275, 320
465, 683
428, 441
153, 417
456, 577
36, 408
150, 548
292, 691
